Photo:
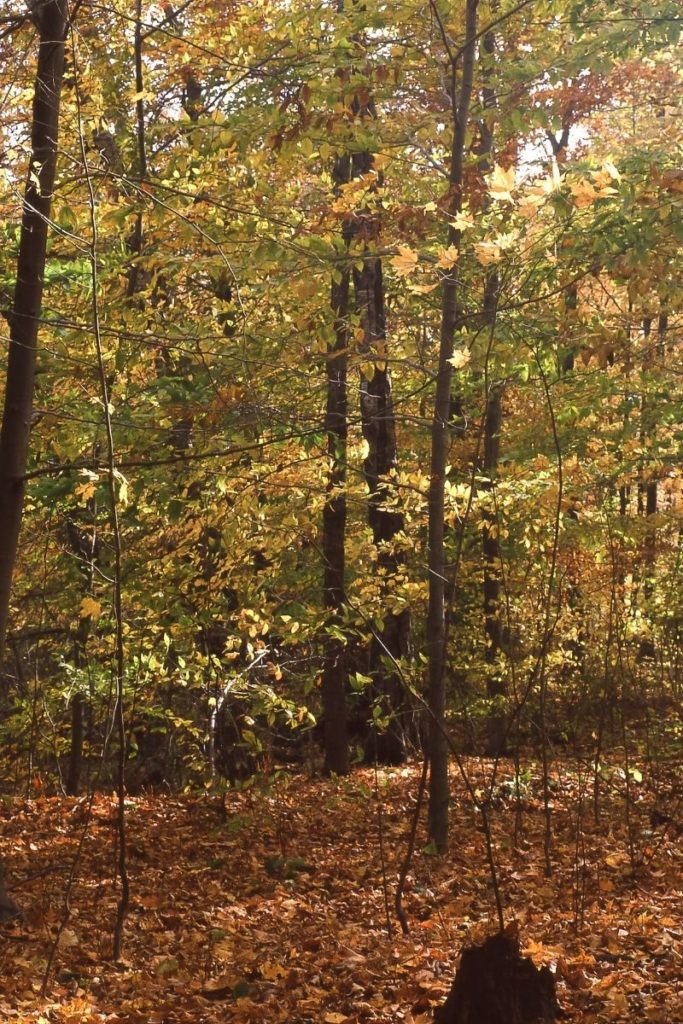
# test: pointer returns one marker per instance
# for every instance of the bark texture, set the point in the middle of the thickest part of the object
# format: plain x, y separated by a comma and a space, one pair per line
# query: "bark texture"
386, 521
50, 18
436, 621
494, 984
334, 520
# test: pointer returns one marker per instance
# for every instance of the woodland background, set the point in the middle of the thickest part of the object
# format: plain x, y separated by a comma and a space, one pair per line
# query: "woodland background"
342, 423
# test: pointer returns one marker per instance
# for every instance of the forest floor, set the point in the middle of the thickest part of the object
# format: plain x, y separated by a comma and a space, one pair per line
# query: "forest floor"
270, 905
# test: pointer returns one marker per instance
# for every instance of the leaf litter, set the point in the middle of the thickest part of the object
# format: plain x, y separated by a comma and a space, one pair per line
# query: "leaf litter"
268, 904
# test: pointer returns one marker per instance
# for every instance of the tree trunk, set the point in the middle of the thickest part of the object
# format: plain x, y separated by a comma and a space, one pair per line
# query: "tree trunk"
495, 682
73, 779
334, 520
436, 622
50, 18
647, 490
379, 430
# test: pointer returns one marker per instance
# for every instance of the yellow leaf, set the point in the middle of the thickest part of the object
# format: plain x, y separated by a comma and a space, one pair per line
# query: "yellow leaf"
380, 161
85, 491
335, 1018
123, 487
584, 193
507, 240
460, 358
406, 261
486, 252
423, 289
272, 972
462, 222
528, 207
90, 608
448, 257
502, 183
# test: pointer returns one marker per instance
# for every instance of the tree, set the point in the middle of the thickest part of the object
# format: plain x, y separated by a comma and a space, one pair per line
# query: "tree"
271, 344
436, 614
50, 18
334, 677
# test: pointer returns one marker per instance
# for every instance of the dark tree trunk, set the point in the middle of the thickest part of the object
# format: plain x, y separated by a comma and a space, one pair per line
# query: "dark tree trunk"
73, 779
386, 522
647, 491
135, 241
334, 521
436, 619
50, 17
379, 430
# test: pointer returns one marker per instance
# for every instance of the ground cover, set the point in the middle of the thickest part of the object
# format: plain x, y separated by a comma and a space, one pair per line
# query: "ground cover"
274, 903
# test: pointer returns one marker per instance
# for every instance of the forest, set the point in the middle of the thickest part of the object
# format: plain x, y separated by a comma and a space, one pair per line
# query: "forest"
341, 513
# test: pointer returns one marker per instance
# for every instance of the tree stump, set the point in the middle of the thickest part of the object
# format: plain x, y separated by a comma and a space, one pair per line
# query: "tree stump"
495, 984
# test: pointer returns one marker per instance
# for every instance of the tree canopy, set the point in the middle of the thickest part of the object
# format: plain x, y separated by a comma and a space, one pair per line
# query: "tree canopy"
343, 402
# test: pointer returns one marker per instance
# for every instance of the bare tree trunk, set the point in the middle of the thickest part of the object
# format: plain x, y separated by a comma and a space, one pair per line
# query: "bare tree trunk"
73, 779
50, 18
436, 623
379, 430
386, 522
334, 520
493, 624
135, 240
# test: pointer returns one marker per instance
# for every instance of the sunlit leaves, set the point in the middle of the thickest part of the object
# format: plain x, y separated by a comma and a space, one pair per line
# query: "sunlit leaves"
405, 262
502, 183
487, 252
460, 358
447, 257
89, 608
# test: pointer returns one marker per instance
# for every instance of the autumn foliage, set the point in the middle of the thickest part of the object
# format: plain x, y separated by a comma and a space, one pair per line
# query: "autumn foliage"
342, 436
